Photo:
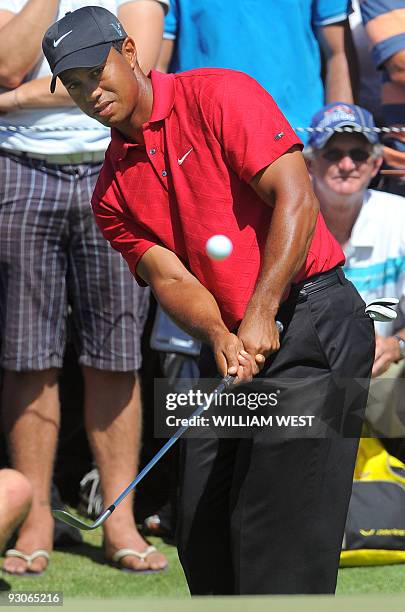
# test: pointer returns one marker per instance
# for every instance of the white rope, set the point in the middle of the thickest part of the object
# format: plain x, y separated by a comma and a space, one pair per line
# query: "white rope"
39, 128
44, 128
352, 129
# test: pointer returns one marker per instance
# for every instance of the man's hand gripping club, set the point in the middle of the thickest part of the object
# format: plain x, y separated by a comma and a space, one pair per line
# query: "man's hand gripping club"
195, 310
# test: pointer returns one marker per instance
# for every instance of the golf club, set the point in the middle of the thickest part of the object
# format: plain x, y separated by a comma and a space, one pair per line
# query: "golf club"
382, 309
68, 518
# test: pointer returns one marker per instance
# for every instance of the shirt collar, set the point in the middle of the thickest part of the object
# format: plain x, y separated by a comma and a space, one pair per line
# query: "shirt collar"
163, 101
163, 95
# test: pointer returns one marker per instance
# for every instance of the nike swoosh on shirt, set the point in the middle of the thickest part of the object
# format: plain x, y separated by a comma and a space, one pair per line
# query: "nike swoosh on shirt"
181, 159
57, 42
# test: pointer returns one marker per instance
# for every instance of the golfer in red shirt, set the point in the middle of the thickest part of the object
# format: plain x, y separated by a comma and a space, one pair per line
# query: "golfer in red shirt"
208, 152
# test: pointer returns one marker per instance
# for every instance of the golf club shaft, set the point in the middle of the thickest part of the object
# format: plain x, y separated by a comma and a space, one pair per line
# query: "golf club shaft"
70, 519
223, 385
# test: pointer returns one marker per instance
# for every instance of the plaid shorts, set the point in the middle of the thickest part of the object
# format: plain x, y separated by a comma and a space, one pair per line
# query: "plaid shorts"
53, 258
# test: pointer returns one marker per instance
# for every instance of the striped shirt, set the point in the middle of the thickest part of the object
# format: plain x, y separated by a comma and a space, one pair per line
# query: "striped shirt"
375, 255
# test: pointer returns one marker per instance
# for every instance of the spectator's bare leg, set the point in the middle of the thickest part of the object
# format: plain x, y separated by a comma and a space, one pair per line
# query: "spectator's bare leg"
15, 501
113, 422
31, 421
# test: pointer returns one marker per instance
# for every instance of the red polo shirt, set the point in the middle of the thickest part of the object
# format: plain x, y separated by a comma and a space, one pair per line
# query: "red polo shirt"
210, 132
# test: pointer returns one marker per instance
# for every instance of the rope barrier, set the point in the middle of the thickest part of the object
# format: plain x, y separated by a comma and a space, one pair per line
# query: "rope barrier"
39, 128
379, 130
358, 130
44, 128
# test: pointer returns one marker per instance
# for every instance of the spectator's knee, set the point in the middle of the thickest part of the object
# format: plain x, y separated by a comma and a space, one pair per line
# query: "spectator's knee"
17, 490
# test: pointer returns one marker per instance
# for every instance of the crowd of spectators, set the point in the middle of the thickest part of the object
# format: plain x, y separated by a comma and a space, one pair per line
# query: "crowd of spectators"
56, 271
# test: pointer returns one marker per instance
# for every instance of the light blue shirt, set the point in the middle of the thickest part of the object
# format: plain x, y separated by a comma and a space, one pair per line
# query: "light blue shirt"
271, 40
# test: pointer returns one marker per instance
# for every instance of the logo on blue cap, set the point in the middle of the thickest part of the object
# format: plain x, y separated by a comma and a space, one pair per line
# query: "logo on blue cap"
339, 115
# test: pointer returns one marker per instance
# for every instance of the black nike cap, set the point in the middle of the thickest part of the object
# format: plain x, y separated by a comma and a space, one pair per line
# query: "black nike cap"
81, 39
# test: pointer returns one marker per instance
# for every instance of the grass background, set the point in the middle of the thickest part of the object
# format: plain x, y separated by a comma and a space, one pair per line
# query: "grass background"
81, 572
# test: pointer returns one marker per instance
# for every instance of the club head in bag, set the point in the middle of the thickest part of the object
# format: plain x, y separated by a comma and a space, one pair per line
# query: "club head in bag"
389, 302
378, 312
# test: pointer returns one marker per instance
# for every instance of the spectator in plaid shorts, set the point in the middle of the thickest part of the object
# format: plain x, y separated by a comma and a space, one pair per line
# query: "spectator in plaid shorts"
52, 255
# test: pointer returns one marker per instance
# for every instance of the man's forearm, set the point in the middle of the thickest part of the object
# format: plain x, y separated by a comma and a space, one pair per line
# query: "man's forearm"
396, 68
24, 32
143, 20
286, 249
192, 307
340, 60
165, 56
337, 80
36, 93
285, 186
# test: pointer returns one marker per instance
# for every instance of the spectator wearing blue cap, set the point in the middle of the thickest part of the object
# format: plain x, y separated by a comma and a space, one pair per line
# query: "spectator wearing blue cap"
343, 156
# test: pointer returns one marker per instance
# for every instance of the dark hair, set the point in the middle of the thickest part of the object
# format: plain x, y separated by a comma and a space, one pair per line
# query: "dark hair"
117, 45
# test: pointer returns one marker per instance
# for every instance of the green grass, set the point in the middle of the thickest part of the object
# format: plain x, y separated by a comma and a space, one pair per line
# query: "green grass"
384, 579
81, 572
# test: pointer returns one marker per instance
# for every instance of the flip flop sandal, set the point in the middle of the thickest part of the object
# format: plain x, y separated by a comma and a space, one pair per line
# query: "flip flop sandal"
124, 552
13, 552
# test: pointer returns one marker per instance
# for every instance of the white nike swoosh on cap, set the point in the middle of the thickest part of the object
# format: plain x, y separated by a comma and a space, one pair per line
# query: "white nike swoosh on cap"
57, 42
181, 159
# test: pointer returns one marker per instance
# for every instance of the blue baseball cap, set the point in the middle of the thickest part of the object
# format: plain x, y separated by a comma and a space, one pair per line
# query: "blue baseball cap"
339, 115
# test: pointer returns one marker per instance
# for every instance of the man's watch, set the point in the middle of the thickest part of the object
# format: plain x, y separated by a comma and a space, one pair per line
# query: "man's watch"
401, 346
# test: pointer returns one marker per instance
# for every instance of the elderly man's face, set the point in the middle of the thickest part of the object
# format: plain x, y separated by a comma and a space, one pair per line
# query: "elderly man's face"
345, 165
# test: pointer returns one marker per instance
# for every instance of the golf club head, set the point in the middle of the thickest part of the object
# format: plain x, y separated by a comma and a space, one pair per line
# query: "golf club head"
377, 312
390, 302
67, 518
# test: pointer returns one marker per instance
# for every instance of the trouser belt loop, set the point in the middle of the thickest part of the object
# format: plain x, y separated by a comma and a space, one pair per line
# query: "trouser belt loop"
302, 296
341, 275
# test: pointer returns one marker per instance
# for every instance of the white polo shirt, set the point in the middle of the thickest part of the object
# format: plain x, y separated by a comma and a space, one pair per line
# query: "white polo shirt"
58, 130
376, 253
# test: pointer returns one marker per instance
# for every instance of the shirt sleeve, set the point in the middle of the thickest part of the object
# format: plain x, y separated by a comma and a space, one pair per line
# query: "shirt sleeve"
171, 21
326, 12
384, 27
13, 6
250, 126
115, 222
165, 3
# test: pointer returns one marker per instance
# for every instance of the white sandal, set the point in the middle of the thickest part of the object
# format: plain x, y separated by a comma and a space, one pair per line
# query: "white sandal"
124, 552
13, 552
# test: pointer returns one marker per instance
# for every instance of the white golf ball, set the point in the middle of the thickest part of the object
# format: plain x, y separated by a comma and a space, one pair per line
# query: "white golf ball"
218, 247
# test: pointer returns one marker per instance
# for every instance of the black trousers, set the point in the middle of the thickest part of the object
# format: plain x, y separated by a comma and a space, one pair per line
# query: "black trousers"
266, 514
